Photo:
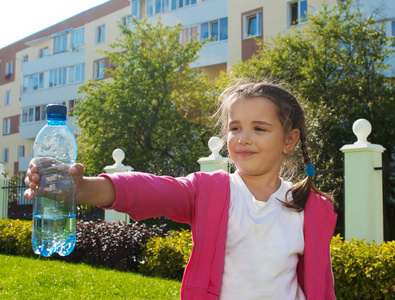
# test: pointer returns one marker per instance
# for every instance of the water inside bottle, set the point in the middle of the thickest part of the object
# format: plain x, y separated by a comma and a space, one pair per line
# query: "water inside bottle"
53, 234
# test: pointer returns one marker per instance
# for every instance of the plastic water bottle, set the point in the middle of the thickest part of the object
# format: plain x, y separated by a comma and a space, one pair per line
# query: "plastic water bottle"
54, 210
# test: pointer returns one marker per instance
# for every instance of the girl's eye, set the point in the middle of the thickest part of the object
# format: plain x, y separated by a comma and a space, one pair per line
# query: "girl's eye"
260, 129
234, 128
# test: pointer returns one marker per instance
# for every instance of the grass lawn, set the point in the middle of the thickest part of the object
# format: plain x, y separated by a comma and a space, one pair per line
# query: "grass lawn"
33, 278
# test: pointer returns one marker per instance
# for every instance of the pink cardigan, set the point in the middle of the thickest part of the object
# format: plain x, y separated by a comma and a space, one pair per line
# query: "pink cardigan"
202, 200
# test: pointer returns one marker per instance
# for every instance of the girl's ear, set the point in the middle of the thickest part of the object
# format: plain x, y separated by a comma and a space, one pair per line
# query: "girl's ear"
290, 140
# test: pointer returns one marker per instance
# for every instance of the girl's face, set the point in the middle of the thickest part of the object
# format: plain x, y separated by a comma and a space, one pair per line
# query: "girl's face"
256, 140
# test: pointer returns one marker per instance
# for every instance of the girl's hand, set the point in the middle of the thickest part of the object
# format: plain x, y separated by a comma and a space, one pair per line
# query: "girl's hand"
47, 177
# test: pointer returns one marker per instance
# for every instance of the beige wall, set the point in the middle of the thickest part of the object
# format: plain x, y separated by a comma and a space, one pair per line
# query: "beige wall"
112, 32
213, 71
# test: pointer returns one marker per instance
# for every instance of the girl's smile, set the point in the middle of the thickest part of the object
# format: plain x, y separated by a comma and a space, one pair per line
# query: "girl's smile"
245, 153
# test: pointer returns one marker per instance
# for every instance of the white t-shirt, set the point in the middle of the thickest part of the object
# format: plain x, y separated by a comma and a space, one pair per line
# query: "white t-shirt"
263, 245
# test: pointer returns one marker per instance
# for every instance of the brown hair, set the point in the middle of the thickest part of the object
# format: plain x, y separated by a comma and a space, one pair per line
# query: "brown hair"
291, 116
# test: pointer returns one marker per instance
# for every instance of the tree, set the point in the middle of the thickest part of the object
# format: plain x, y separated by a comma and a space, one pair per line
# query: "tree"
154, 106
338, 64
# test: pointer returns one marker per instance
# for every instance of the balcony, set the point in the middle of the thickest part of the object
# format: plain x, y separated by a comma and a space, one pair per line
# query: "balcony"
31, 129
55, 61
195, 14
212, 54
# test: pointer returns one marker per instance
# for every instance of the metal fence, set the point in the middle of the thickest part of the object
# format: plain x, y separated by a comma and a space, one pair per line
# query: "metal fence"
388, 170
332, 181
20, 208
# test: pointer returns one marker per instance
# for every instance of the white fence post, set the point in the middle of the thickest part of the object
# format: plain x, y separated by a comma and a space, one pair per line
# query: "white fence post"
3, 201
363, 201
112, 215
215, 161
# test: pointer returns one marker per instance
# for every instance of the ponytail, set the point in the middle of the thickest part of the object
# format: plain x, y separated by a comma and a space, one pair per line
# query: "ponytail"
301, 191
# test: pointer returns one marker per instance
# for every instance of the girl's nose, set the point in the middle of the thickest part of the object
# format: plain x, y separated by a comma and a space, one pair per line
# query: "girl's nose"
244, 139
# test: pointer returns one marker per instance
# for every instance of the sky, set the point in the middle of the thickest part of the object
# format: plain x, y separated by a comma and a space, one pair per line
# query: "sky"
22, 18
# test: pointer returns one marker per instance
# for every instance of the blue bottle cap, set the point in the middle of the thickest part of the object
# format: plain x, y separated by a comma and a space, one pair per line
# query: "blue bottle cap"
56, 109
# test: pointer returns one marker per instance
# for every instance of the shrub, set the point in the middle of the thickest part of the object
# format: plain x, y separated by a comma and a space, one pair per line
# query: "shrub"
167, 256
363, 270
117, 245
15, 237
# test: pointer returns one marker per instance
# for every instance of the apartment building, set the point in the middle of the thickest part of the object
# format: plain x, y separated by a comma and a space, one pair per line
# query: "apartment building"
49, 66
266, 18
201, 19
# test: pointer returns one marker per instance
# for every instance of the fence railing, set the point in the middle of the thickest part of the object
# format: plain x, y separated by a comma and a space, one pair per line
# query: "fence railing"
18, 207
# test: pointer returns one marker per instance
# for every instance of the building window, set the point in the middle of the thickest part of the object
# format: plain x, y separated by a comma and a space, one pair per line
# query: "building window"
6, 126
5, 156
77, 37
33, 82
34, 114
30, 114
8, 98
161, 6
223, 29
24, 116
149, 7
43, 52
252, 25
37, 113
100, 34
189, 34
41, 81
99, 70
125, 21
9, 68
72, 103
60, 44
25, 58
136, 9
57, 77
182, 3
297, 12
43, 112
216, 30
77, 73
157, 7
21, 152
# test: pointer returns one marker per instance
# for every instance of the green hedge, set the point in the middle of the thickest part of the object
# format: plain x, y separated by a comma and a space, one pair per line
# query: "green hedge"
362, 270
15, 237
167, 257
116, 245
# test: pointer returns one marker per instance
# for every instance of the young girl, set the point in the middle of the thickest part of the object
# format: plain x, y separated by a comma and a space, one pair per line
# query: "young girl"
256, 236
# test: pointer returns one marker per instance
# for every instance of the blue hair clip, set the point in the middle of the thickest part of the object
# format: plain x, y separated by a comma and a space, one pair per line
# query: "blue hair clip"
310, 170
